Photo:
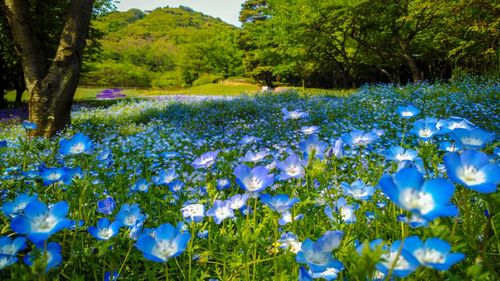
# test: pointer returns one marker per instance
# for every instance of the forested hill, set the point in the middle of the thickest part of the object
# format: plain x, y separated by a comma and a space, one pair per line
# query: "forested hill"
167, 47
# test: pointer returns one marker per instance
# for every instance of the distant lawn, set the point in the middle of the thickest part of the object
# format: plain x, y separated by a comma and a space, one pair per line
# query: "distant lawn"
85, 94
216, 89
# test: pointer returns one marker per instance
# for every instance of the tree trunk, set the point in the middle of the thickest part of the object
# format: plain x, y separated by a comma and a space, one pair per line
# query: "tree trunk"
51, 89
415, 71
20, 88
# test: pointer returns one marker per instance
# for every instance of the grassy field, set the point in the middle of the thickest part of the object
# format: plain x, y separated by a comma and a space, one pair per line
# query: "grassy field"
219, 89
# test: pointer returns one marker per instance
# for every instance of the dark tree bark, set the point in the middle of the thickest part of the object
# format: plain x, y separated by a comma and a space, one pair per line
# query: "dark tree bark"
51, 86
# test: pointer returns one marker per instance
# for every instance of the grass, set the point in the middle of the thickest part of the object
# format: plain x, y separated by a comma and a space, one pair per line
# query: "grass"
85, 94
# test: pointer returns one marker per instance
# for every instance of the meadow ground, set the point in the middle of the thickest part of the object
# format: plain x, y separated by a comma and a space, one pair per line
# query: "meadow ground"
383, 183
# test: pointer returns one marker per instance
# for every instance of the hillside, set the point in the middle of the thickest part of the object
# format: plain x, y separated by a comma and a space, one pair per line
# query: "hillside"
166, 48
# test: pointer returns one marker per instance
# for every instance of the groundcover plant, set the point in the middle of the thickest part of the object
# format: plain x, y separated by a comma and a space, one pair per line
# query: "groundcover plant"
390, 182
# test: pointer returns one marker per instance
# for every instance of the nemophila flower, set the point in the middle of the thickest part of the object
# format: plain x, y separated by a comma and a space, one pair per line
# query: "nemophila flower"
313, 146
202, 234
53, 255
248, 140
433, 253
105, 229
318, 261
358, 190
222, 184
289, 241
3, 143
473, 170
279, 203
304, 274
292, 167
358, 137
472, 138
165, 177
452, 123
253, 180
111, 276
221, 211
29, 125
414, 221
450, 146
401, 261
408, 111
309, 130
15, 208
329, 241
136, 230
286, 218
106, 205
78, 144
140, 185
328, 274
238, 201
169, 154
9, 248
205, 160
398, 154
38, 222
336, 150
429, 199
294, 114
52, 175
165, 243
175, 186
425, 128
254, 157
193, 212
130, 215
347, 212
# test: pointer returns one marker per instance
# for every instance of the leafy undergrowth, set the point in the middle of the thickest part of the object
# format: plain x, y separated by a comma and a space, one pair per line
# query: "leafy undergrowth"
268, 187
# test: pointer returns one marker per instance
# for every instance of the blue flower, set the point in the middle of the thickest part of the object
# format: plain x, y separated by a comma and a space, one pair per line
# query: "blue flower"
253, 157
318, 261
205, 160
292, 167
429, 199
221, 211
336, 150
328, 274
450, 146
347, 212
280, 203
253, 180
408, 111
78, 144
111, 276
140, 185
130, 215
433, 253
106, 205
329, 241
473, 138
402, 261
238, 201
294, 114
454, 123
398, 154
53, 254
414, 221
52, 175
175, 186
358, 137
289, 241
358, 190
166, 242
105, 230
304, 275
9, 249
193, 212
165, 177
309, 130
15, 208
473, 170
425, 129
313, 146
223, 184
39, 222
29, 125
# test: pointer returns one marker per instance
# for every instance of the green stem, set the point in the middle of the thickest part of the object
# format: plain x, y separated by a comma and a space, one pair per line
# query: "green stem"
125, 259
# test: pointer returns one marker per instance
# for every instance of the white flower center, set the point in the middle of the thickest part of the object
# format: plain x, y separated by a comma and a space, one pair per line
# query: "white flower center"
471, 176
43, 223
390, 258
53, 176
412, 199
429, 256
293, 170
164, 249
77, 148
130, 220
105, 233
471, 141
252, 183
425, 133
406, 113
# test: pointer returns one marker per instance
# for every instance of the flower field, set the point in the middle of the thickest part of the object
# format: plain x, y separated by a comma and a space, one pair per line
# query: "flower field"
388, 183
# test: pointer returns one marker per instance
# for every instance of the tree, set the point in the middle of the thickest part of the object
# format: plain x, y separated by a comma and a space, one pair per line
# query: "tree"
50, 60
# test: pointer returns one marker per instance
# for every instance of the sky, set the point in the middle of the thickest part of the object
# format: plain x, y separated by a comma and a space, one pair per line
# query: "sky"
226, 10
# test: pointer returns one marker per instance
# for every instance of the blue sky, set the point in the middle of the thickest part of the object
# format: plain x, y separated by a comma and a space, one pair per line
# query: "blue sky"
227, 10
